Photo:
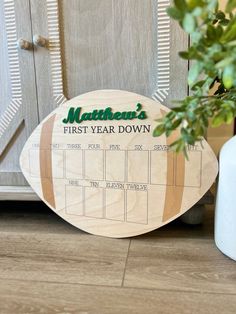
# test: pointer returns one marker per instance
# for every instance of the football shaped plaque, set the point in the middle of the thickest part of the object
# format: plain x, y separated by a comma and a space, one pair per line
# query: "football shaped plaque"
94, 162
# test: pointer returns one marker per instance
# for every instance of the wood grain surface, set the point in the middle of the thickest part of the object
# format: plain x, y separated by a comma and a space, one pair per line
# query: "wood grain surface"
47, 266
109, 176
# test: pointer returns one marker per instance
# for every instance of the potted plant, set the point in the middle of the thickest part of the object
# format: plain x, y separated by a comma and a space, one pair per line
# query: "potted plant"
212, 52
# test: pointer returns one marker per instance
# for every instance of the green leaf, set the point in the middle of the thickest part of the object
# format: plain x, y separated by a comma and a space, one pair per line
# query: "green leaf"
170, 115
231, 44
180, 4
194, 73
176, 124
212, 5
191, 115
230, 5
211, 32
230, 33
197, 12
184, 55
198, 85
225, 62
191, 54
188, 138
159, 130
174, 13
217, 120
205, 121
228, 76
229, 117
189, 23
219, 31
196, 37
192, 4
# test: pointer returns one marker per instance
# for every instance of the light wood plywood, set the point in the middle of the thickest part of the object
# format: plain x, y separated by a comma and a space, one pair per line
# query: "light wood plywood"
73, 174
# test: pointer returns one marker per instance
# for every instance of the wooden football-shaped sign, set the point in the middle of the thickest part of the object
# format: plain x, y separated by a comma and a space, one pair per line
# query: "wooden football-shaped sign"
95, 162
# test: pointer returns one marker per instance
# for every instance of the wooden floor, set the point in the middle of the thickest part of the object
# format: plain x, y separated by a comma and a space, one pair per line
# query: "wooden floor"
48, 266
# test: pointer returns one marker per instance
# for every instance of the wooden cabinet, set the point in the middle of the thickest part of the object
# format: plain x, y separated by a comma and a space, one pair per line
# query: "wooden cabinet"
115, 44
18, 97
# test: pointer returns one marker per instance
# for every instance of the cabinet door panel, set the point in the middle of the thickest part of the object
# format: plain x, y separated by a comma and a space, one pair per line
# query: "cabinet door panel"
110, 44
116, 44
18, 103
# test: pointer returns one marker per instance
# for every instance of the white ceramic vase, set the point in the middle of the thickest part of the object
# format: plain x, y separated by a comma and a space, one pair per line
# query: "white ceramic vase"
225, 215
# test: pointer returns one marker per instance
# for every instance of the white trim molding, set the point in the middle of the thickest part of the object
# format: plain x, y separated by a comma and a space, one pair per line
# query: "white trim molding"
17, 193
55, 51
163, 51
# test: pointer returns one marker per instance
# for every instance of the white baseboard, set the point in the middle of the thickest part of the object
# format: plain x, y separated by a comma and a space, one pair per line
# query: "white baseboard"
17, 193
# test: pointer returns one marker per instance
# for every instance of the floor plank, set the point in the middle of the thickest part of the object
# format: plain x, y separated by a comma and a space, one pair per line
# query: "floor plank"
78, 258
48, 266
181, 265
37, 297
